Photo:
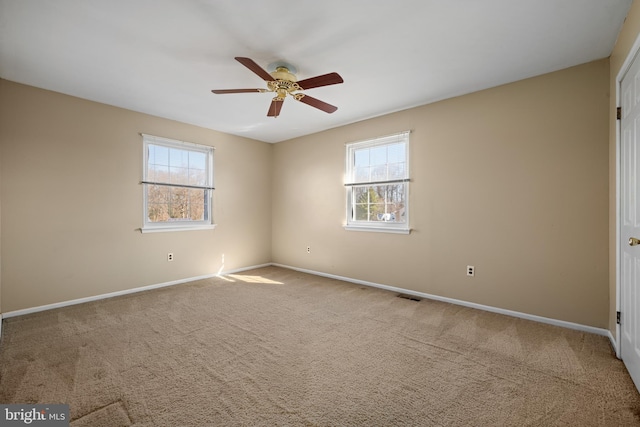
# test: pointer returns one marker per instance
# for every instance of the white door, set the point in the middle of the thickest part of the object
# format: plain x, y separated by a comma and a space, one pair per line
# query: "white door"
630, 222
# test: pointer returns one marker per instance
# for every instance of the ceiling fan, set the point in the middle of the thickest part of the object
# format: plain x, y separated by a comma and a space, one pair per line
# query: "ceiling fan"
283, 82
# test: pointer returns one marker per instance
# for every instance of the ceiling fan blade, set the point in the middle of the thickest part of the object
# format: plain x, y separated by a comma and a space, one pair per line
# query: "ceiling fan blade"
223, 91
320, 105
275, 107
250, 64
323, 80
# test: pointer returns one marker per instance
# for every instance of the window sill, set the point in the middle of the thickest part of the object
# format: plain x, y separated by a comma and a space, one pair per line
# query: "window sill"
378, 229
175, 228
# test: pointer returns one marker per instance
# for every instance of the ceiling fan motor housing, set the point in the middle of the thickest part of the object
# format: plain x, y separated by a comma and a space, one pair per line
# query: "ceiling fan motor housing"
283, 73
284, 83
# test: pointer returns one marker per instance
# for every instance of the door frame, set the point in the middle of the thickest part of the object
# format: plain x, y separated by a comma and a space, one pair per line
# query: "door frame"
631, 56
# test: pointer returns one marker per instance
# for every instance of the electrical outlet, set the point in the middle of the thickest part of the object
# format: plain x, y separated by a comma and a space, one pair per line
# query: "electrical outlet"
308, 249
471, 270
170, 256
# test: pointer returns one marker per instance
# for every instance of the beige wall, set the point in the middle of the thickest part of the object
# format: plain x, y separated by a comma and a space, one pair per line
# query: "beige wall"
626, 39
72, 202
512, 180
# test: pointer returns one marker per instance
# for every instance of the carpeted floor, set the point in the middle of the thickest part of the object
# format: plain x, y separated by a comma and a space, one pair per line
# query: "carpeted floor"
275, 347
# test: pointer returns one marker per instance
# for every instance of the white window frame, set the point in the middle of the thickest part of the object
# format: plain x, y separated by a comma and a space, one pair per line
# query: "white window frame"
207, 224
350, 183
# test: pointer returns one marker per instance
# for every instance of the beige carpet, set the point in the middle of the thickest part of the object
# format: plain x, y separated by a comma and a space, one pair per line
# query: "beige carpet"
275, 347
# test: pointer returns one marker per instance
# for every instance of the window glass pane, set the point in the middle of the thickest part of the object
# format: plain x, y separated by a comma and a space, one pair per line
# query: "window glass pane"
197, 204
379, 155
176, 166
361, 158
379, 173
158, 203
158, 173
397, 171
380, 203
360, 195
396, 153
197, 177
363, 203
178, 203
362, 174
158, 212
362, 213
376, 202
197, 160
158, 155
178, 157
178, 175
197, 168
187, 204
157, 194
395, 202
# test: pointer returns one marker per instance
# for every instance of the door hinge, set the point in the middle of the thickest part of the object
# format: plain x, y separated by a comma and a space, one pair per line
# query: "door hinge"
619, 113
618, 317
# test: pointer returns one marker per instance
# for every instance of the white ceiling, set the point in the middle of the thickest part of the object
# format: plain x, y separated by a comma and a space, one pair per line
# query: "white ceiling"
163, 57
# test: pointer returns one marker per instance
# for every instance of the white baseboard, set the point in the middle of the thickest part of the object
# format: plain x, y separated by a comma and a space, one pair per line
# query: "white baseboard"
614, 343
22, 312
555, 322
562, 323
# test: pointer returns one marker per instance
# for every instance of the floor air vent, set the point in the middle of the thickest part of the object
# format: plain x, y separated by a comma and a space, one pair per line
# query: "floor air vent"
409, 297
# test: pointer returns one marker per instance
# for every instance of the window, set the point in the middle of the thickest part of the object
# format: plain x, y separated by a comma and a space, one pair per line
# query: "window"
378, 184
178, 185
